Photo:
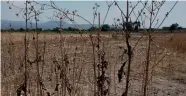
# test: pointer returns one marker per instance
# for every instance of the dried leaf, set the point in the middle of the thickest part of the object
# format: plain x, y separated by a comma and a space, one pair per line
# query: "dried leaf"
121, 72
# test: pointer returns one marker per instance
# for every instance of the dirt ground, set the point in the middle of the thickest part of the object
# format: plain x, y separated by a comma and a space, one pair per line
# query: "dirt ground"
167, 62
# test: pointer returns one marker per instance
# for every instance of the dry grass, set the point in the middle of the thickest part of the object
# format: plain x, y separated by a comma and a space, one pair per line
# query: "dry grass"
168, 75
177, 43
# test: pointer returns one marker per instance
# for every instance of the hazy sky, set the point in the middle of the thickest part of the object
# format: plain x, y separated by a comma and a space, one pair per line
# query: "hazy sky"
178, 14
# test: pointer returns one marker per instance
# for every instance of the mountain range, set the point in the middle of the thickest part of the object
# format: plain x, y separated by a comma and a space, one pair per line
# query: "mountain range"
5, 24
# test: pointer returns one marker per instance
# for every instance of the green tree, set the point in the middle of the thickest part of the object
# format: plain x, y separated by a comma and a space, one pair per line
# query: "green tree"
92, 28
70, 29
21, 29
55, 29
39, 29
12, 30
180, 28
47, 30
105, 27
173, 27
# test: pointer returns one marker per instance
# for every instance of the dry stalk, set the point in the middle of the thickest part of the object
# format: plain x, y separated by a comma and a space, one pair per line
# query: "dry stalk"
94, 63
148, 53
103, 81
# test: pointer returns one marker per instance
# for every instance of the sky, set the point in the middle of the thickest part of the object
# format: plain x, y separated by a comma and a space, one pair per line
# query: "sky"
85, 9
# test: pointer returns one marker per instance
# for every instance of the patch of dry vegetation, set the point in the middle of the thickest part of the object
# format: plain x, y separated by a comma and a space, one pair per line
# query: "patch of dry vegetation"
175, 42
167, 69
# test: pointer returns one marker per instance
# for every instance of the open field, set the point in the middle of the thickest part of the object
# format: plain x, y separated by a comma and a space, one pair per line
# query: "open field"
167, 63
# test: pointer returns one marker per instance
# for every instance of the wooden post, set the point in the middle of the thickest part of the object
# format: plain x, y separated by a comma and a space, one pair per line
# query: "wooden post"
61, 24
99, 20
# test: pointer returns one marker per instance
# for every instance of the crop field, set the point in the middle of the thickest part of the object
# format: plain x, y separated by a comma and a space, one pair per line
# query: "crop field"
66, 64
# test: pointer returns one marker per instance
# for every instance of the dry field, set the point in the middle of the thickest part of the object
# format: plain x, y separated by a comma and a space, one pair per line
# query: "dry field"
167, 63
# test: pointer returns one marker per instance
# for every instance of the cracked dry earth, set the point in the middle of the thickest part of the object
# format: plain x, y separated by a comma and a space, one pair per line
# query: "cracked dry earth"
167, 66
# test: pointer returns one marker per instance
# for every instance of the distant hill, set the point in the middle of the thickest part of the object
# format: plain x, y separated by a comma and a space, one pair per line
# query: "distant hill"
46, 25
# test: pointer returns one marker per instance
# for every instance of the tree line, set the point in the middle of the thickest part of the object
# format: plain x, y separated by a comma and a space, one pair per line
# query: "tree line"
104, 28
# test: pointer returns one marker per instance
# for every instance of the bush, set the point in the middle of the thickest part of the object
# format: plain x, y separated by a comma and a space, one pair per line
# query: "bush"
55, 29
173, 27
21, 29
92, 29
105, 27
